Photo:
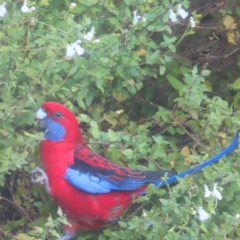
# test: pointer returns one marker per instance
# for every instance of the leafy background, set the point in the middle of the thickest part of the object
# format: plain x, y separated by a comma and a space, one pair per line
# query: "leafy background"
155, 95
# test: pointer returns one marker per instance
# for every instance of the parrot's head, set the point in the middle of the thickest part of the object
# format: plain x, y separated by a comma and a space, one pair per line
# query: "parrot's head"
58, 122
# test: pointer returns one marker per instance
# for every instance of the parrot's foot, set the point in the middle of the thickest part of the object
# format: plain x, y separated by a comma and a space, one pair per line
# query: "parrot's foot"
37, 175
66, 236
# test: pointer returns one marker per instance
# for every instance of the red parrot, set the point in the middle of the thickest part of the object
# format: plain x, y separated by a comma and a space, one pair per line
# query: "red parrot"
90, 189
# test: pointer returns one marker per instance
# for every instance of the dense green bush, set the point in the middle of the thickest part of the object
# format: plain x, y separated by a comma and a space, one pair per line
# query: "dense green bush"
149, 95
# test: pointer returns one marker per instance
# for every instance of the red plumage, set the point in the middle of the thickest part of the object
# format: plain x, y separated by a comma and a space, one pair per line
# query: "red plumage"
84, 210
89, 210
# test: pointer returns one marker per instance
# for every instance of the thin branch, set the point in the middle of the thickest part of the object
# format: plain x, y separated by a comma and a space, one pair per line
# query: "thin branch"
188, 133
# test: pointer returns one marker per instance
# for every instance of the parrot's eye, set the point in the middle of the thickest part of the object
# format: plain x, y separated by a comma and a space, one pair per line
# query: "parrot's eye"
57, 114
43, 109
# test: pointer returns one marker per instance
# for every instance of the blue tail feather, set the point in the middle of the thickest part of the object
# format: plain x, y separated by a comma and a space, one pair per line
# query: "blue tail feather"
234, 143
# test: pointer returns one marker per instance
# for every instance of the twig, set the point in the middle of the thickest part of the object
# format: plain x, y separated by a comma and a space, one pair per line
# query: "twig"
188, 133
131, 215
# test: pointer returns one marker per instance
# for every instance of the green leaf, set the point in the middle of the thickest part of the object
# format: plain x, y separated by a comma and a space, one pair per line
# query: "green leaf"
59, 211
174, 82
23, 236
206, 72
107, 232
128, 153
153, 57
158, 139
95, 132
114, 22
237, 9
88, 3
150, 189
112, 135
236, 84
162, 69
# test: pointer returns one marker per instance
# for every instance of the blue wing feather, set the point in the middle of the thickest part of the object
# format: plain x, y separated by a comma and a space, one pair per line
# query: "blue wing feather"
98, 184
86, 182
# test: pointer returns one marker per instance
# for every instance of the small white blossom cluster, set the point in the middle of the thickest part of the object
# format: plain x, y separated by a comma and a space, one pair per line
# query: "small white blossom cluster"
237, 217
88, 36
182, 13
202, 214
192, 22
3, 9
136, 18
73, 5
76, 48
215, 193
24, 8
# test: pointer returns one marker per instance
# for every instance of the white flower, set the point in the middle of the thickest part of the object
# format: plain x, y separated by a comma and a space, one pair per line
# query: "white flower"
3, 9
136, 17
80, 51
237, 216
96, 40
70, 51
144, 19
89, 35
182, 12
32, 9
77, 47
192, 22
144, 214
25, 8
203, 215
216, 193
207, 192
172, 16
74, 48
73, 5
76, 43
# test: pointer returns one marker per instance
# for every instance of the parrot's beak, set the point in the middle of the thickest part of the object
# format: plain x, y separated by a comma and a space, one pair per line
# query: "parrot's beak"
40, 117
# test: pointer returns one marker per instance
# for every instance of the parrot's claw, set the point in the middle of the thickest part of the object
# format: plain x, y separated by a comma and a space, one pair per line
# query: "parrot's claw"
37, 175
37, 178
66, 236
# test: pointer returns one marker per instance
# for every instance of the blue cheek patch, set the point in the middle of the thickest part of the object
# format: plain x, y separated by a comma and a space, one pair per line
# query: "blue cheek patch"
55, 131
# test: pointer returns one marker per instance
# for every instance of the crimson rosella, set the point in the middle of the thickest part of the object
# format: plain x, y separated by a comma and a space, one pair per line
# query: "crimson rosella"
90, 189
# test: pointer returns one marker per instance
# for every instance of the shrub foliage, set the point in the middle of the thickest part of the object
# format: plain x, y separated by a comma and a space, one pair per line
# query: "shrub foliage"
152, 95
